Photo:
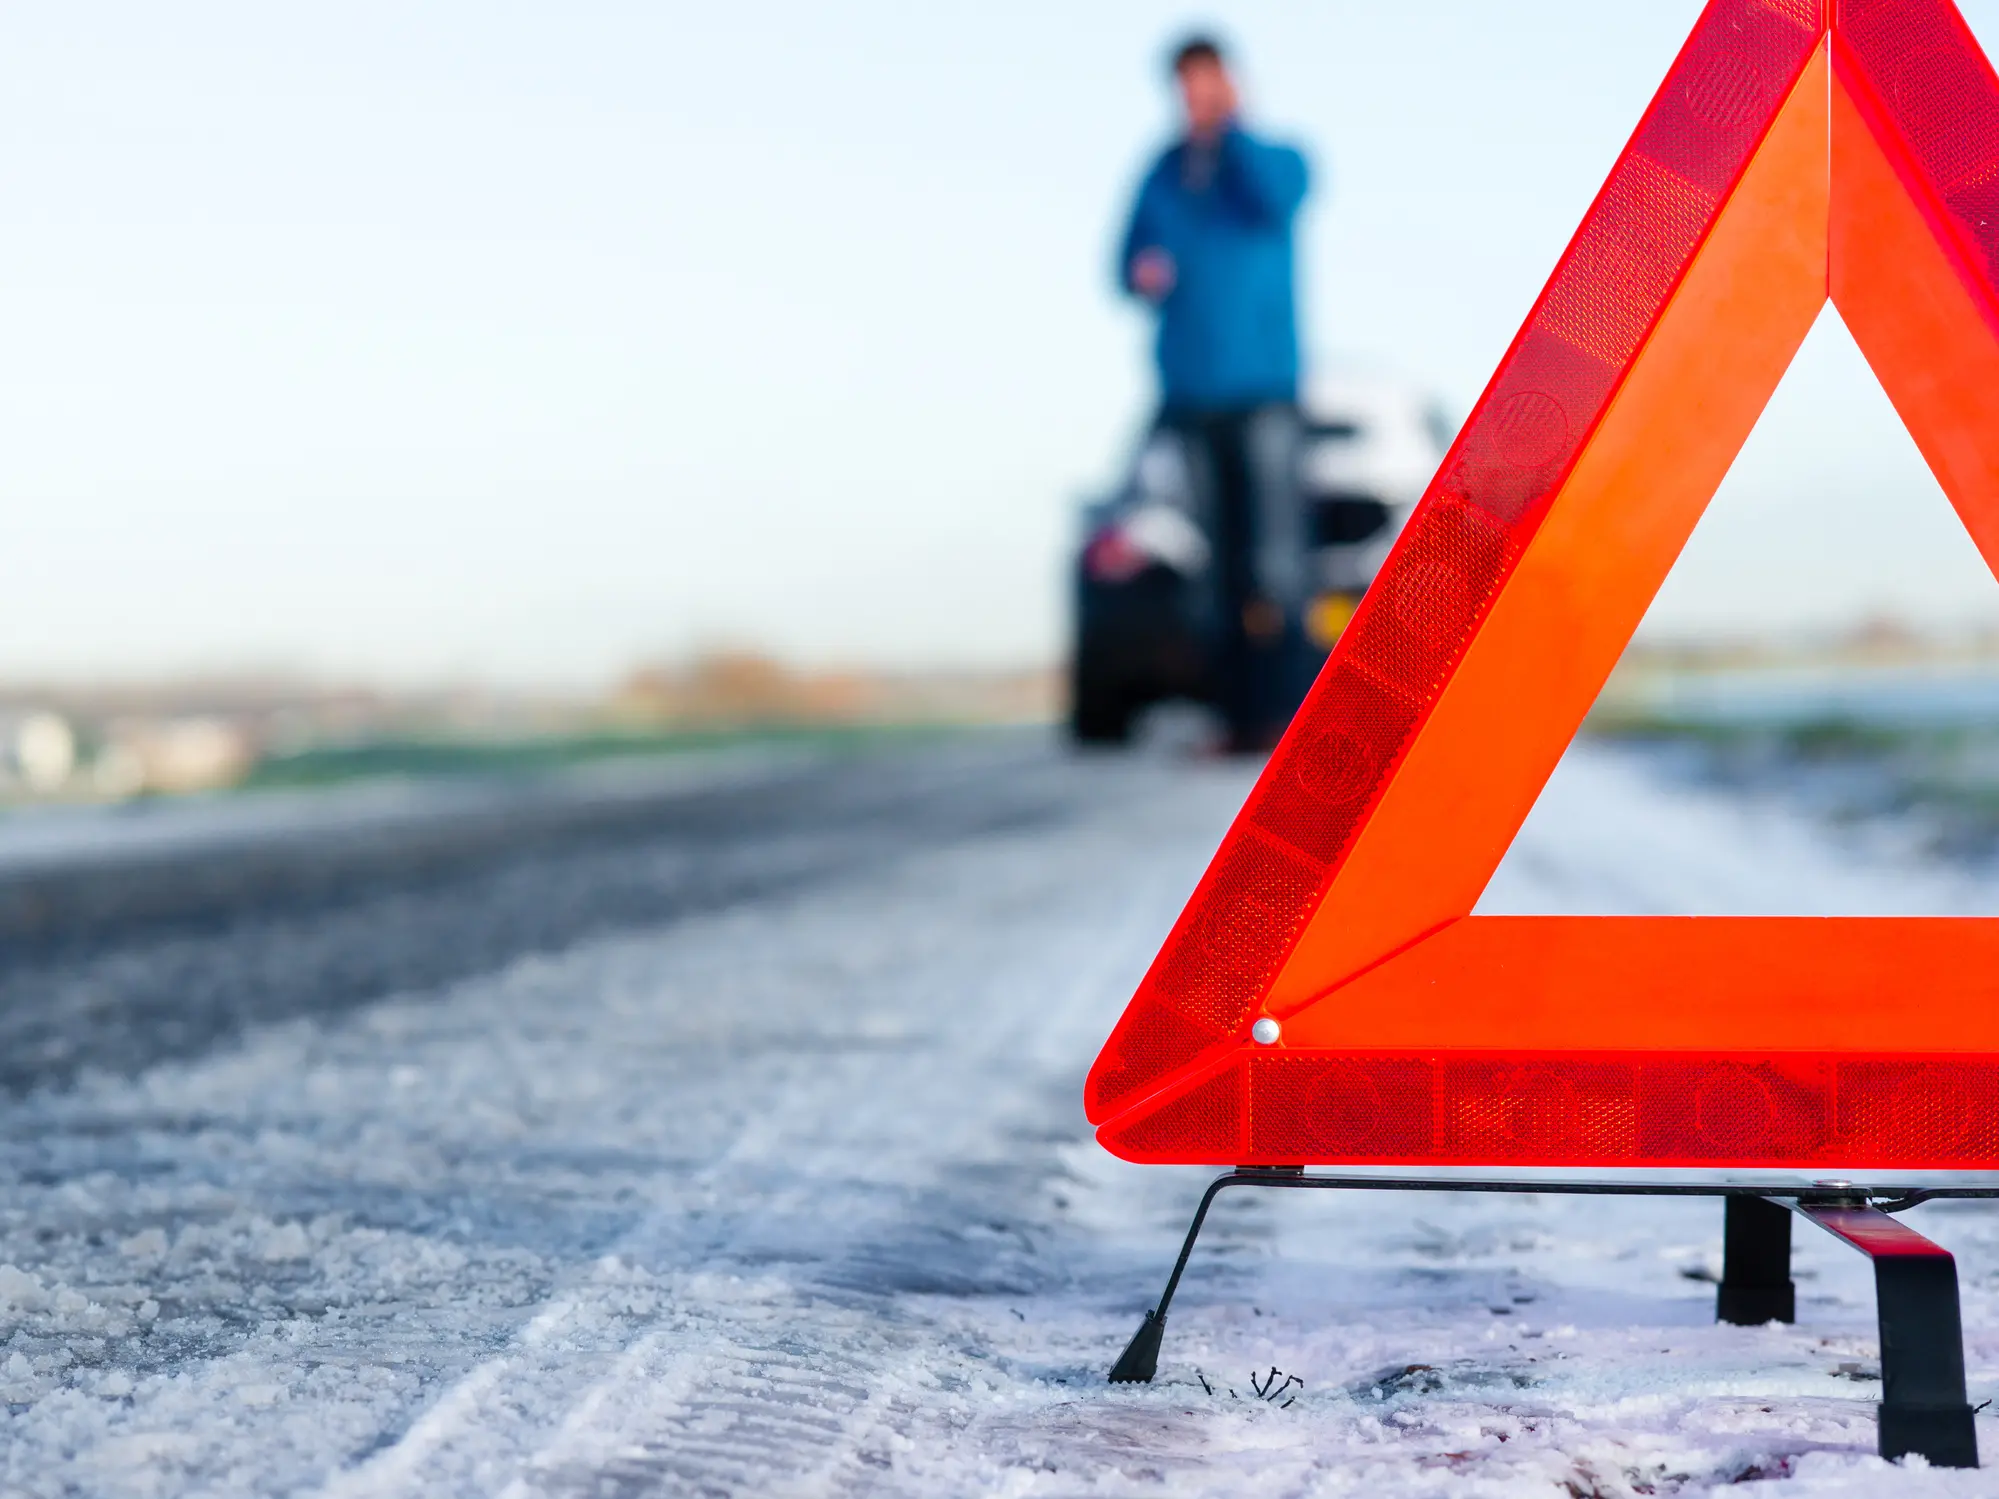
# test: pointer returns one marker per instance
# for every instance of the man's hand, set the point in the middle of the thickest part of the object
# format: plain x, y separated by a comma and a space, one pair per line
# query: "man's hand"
1152, 274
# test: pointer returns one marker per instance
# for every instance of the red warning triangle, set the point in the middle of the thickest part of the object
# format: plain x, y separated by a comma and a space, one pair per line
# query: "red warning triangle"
1798, 150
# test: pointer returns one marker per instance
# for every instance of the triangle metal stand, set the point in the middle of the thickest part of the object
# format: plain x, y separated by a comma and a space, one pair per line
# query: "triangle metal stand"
1924, 1408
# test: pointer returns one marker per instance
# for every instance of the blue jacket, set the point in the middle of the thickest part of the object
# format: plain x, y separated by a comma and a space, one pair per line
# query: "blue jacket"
1228, 330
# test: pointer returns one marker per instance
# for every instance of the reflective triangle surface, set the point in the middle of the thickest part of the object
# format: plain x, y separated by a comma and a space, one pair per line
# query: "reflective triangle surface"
1796, 152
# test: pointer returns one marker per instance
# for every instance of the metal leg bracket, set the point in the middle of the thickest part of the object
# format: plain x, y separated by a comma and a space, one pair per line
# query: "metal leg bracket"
1923, 1403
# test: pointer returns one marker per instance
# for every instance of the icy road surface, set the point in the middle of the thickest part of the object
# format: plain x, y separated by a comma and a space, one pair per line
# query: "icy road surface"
748, 1159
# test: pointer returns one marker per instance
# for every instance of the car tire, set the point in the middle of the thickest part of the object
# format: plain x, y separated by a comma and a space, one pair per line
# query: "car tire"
1098, 714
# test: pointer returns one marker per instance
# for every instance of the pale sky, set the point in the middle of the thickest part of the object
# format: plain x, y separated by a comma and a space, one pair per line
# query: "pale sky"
526, 340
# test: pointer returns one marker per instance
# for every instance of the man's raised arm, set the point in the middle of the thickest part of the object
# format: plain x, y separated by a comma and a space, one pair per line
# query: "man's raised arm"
1265, 181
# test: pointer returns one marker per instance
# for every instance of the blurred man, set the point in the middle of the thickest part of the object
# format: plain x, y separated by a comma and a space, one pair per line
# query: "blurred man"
1209, 248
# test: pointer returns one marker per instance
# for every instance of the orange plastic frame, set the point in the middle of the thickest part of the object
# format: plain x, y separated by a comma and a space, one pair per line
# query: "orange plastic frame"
1412, 1031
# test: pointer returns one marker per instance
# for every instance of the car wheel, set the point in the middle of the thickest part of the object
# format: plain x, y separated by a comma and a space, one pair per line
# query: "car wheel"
1098, 714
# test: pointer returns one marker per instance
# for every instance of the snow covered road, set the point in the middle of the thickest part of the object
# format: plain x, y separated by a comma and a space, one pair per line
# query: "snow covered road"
777, 1183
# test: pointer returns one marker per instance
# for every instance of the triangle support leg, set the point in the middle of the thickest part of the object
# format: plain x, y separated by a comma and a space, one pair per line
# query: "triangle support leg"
1756, 1264
1923, 1404
1140, 1359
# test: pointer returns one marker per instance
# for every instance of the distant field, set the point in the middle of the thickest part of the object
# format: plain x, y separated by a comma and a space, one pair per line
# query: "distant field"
1912, 751
390, 758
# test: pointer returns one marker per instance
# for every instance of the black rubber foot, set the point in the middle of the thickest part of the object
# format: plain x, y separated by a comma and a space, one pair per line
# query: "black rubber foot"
1752, 1306
1140, 1360
1946, 1435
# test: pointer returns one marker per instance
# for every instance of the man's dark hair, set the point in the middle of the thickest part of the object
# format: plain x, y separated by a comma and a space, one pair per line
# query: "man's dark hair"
1199, 48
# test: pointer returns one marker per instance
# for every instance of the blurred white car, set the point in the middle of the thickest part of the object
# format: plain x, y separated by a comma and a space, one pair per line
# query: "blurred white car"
1145, 600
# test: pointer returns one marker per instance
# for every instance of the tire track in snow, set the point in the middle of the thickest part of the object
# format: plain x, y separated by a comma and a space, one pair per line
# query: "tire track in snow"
809, 1356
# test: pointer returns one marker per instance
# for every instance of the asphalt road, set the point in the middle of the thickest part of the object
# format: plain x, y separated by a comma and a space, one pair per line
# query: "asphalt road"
367, 1184
112, 959
733, 1145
